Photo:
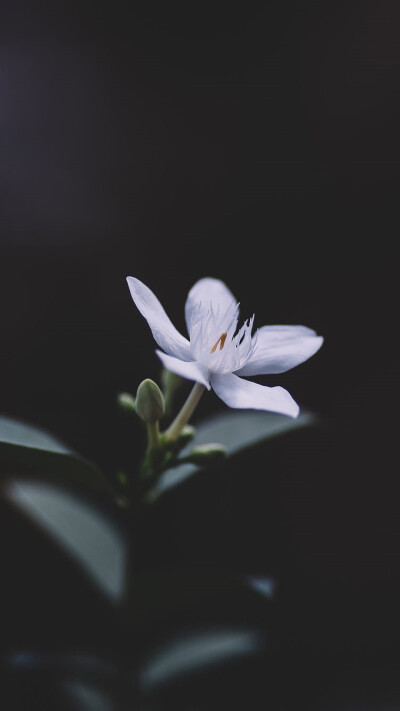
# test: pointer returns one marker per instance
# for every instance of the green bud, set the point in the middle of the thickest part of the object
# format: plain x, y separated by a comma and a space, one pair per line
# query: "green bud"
187, 434
207, 453
126, 402
149, 401
184, 438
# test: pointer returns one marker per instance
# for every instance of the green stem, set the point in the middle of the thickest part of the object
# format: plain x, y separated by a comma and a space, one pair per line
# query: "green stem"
153, 455
182, 418
153, 435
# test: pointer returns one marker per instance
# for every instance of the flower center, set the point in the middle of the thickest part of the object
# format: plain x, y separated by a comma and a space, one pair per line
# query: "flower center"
221, 342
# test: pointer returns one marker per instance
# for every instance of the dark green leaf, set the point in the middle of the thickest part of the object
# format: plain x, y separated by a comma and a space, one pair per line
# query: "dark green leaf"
237, 430
197, 651
65, 681
190, 621
89, 534
22, 445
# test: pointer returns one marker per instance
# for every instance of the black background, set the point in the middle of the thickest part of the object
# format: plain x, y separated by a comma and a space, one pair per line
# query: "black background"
258, 145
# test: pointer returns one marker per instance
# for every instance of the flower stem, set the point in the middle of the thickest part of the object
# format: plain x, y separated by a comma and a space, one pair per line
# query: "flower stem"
176, 427
153, 435
154, 453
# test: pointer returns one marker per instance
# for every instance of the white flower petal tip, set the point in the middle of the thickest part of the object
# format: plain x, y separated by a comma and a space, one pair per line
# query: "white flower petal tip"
191, 370
244, 394
280, 348
164, 332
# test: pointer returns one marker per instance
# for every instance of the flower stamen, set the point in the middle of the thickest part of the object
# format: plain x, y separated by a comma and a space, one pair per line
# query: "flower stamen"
221, 341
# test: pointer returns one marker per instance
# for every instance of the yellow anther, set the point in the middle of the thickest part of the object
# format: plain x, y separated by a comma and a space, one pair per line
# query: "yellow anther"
221, 341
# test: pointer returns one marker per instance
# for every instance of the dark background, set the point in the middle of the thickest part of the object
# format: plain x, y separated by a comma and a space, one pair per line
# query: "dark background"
258, 145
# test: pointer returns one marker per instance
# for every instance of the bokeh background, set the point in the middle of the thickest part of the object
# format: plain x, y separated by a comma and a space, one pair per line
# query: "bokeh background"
259, 145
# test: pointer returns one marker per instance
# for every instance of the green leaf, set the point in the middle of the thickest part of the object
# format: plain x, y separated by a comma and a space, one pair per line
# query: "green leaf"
22, 445
237, 431
195, 620
91, 535
201, 652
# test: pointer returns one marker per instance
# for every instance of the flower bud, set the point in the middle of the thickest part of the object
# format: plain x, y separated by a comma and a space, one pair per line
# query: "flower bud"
149, 401
126, 401
207, 453
186, 435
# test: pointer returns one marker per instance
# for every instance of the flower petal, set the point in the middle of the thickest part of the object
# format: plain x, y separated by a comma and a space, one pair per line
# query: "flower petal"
164, 332
192, 370
236, 392
280, 348
202, 295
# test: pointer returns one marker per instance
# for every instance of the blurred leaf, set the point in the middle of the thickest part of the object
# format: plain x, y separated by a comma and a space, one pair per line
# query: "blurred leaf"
199, 650
194, 621
238, 431
89, 534
32, 448
64, 681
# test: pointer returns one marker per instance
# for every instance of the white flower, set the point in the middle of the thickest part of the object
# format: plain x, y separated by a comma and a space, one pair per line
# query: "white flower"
218, 354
